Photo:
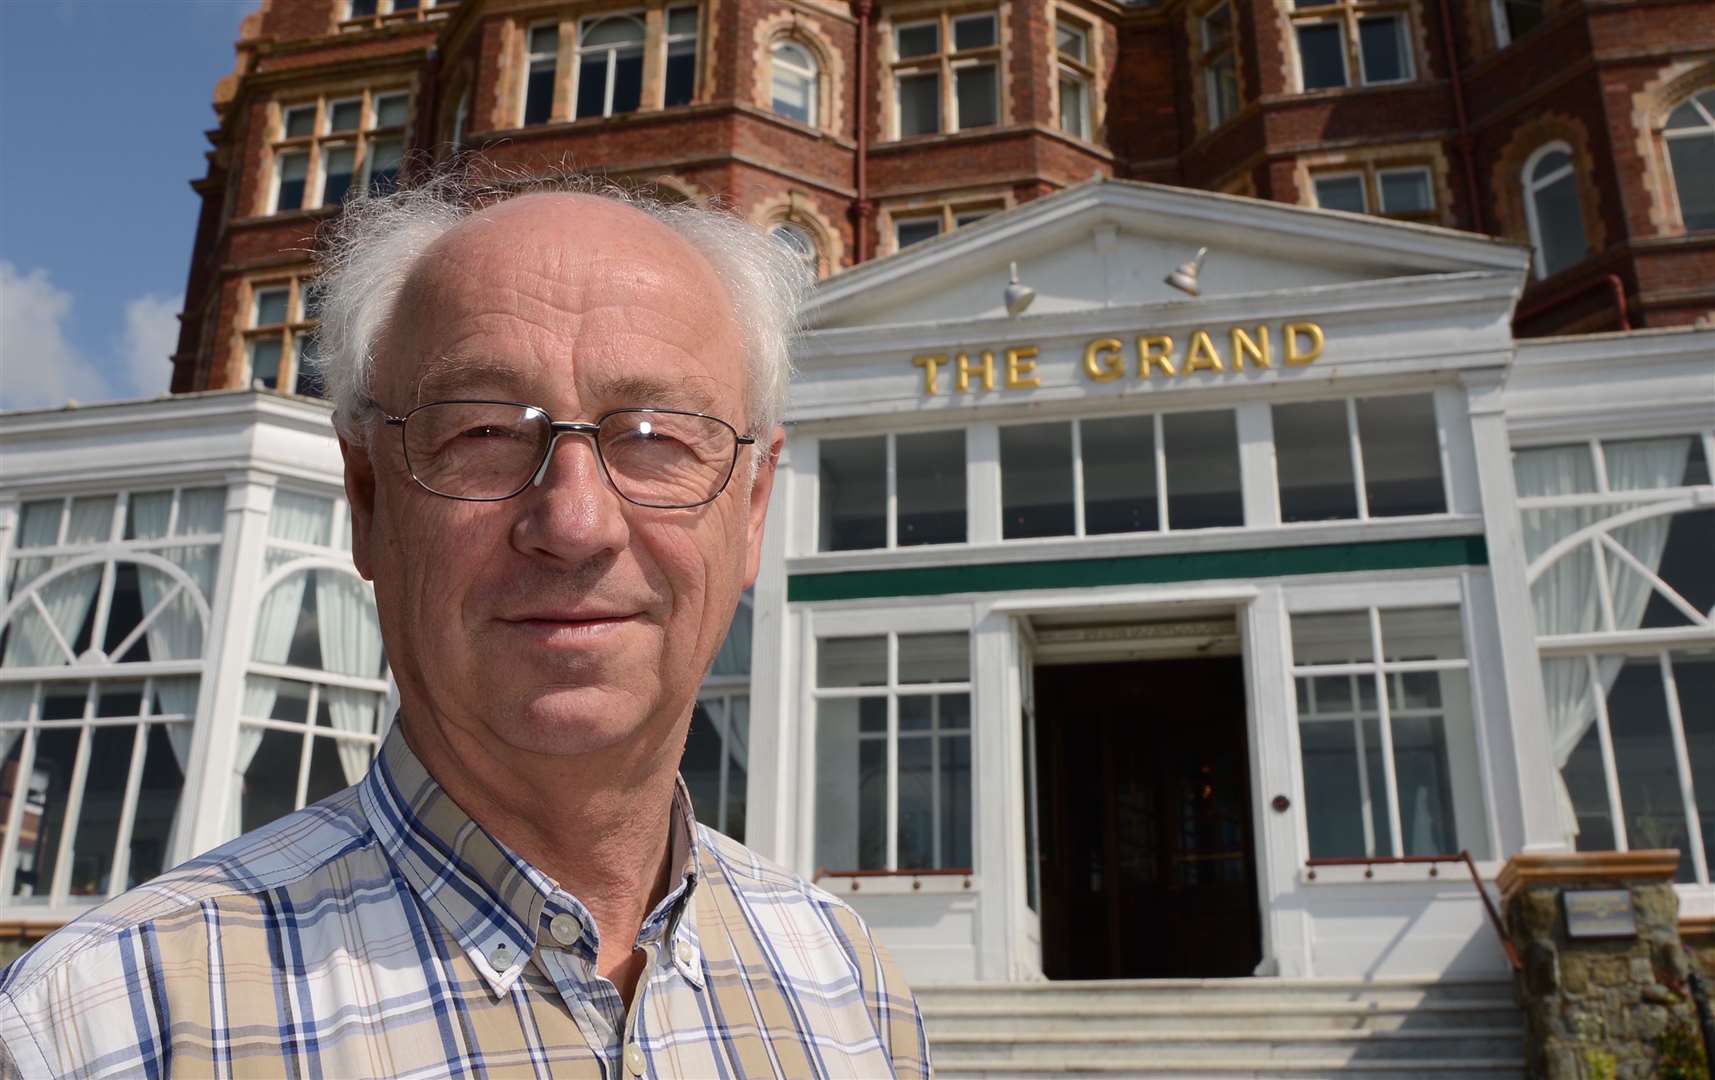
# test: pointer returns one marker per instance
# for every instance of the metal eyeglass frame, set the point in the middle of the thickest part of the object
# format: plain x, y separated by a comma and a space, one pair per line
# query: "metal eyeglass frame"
557, 429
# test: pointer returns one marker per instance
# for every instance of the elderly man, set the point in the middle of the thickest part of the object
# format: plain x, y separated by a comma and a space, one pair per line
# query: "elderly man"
558, 415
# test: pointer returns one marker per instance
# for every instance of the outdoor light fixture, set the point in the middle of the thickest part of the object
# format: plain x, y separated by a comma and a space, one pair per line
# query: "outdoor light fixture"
1184, 278
1018, 297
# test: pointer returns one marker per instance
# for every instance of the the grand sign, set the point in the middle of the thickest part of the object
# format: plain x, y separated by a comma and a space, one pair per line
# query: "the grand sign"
1147, 356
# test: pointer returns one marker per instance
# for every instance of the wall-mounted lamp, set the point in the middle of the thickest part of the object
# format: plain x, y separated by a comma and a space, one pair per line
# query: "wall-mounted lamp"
1184, 277
1018, 297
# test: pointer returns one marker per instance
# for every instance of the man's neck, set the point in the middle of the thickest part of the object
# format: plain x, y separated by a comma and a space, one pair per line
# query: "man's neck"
598, 824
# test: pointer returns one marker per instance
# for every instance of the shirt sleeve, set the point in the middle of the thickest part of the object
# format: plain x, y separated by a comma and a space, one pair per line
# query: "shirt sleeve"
22, 1057
892, 1007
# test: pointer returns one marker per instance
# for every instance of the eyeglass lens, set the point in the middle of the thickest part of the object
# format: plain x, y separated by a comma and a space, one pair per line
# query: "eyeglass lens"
489, 450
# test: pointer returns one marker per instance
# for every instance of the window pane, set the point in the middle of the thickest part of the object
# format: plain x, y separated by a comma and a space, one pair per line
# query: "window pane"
300, 121
98, 821
860, 661
1560, 224
924, 39
681, 21
934, 658
269, 788
737, 777
46, 790
1072, 106
1694, 676
1572, 708
338, 164
1340, 637
853, 493
919, 104
592, 87
293, 170
345, 115
362, 9
1223, 90
270, 307
1313, 459
1070, 42
1653, 464
955, 791
539, 93
307, 379
1203, 489
327, 772
916, 804
1405, 191
1036, 480
1383, 47
384, 158
628, 82
792, 93
977, 88
1402, 456
265, 356
1523, 16
1644, 758
1119, 475
1322, 55
1217, 28
1422, 634
1693, 162
915, 230
1345, 791
40, 524
701, 765
1341, 193
681, 74
974, 32
1554, 470
392, 109
1424, 772
851, 787
158, 801
930, 485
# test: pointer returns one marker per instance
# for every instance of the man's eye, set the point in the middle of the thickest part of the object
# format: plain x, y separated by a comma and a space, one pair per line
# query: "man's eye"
486, 431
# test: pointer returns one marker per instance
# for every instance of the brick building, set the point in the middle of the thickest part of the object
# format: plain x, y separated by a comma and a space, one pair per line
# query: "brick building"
1584, 129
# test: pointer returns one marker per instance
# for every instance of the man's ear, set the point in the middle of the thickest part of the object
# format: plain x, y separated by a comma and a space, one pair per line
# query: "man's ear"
360, 494
760, 490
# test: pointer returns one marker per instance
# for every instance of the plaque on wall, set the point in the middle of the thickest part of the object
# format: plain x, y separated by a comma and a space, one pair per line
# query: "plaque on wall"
1599, 913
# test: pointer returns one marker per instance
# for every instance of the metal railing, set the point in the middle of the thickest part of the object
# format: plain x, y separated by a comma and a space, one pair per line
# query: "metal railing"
1433, 861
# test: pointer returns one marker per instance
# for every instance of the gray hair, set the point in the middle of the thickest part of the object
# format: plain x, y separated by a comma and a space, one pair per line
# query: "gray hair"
371, 250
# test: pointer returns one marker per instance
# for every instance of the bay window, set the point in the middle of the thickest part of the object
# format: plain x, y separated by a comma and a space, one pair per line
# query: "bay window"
280, 338
1338, 39
334, 145
1076, 76
610, 66
946, 74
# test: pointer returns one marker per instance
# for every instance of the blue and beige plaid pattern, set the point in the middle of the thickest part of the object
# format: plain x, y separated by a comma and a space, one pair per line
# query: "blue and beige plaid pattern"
383, 933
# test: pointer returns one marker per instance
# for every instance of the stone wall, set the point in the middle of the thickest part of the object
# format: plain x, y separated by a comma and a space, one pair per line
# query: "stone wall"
1603, 1009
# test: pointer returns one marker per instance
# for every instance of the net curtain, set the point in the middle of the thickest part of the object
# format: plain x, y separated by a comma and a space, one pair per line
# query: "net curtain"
1566, 597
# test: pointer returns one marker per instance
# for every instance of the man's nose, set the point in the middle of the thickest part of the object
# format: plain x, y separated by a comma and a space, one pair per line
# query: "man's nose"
574, 510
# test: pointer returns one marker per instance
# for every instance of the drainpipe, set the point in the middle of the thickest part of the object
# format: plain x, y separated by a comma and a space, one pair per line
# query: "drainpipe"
1454, 78
1612, 281
862, 210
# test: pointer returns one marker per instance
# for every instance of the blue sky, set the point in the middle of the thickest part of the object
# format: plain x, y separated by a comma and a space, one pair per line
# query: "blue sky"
103, 104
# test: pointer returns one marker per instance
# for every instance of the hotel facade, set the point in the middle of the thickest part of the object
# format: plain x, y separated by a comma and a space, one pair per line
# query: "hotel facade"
1124, 633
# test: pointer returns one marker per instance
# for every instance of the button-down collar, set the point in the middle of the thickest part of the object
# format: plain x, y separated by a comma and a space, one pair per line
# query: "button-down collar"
493, 903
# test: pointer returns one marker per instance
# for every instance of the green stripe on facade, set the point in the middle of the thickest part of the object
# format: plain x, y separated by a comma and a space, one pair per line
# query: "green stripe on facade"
1141, 569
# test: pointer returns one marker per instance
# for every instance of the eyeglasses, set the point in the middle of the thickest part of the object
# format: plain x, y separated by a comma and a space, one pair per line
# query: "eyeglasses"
485, 451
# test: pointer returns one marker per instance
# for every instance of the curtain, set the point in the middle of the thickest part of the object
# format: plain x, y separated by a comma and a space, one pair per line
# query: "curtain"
91, 520
67, 600
177, 696
351, 645
1565, 597
249, 741
303, 519
201, 512
175, 633
149, 512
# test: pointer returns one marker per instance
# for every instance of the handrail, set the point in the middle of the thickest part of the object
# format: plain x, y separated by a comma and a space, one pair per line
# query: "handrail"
1489, 908
955, 871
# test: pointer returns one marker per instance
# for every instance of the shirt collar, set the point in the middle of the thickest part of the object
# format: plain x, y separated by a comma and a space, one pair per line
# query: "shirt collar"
487, 898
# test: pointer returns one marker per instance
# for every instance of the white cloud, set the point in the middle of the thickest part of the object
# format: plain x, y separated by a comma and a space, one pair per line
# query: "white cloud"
151, 335
39, 367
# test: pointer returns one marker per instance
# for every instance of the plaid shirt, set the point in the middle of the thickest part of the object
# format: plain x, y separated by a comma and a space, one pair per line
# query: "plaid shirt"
382, 932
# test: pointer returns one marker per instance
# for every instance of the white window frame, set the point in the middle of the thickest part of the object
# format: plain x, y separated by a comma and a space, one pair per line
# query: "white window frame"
531, 59
945, 63
1316, 179
1532, 186
892, 691
1345, 52
1355, 447
810, 75
1078, 71
1212, 62
1396, 170
891, 510
1707, 131
611, 58
323, 140
668, 41
292, 333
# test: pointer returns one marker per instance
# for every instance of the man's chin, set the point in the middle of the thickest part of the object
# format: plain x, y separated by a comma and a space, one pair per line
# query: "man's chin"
563, 721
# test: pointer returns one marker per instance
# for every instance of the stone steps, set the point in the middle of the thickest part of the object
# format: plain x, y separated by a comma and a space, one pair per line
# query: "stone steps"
1218, 1028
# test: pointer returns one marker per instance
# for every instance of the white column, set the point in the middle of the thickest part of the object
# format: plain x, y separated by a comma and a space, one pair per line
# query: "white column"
9, 516
771, 793
997, 789
1274, 762
1255, 421
1523, 750
233, 610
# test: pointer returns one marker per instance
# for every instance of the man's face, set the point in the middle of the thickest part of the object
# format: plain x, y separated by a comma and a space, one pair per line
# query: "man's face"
565, 619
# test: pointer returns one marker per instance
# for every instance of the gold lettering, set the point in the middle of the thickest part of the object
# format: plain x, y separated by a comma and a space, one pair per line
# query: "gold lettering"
1202, 355
929, 362
1102, 362
1243, 345
1290, 331
1153, 351
1021, 368
964, 370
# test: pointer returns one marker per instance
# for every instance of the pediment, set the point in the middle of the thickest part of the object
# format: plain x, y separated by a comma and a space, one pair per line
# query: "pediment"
1111, 243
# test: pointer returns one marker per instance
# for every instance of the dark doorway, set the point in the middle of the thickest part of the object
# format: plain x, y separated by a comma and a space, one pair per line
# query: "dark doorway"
1148, 865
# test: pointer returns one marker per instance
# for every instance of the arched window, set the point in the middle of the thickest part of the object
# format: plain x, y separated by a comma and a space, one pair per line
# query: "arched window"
610, 66
794, 82
801, 241
315, 695
101, 660
1552, 207
1690, 138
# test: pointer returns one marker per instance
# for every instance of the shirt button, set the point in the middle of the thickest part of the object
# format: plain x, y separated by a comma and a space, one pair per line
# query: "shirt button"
682, 950
634, 1059
500, 957
565, 929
